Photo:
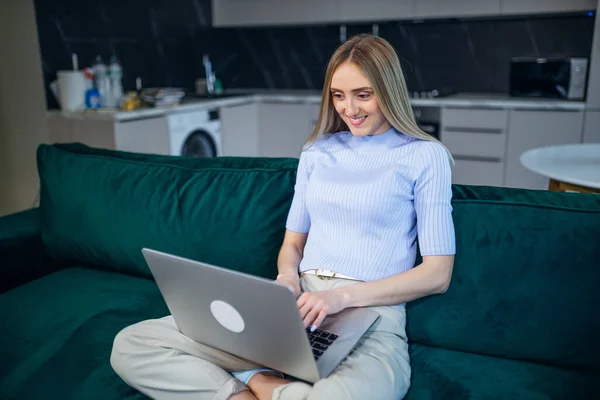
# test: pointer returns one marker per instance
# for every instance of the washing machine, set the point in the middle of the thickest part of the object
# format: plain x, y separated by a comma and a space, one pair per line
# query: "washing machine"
195, 133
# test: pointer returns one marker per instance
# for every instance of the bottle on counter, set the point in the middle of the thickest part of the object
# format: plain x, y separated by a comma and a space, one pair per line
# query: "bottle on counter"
92, 97
116, 82
132, 100
101, 81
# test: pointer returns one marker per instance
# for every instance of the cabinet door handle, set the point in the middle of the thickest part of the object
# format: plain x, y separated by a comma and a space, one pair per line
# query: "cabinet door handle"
494, 131
543, 109
477, 158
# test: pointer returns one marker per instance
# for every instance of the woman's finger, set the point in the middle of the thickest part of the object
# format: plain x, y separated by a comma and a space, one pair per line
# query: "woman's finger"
310, 317
319, 320
305, 310
302, 300
307, 302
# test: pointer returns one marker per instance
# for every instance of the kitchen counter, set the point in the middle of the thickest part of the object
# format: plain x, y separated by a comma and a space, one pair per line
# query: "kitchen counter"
194, 104
489, 100
467, 100
247, 96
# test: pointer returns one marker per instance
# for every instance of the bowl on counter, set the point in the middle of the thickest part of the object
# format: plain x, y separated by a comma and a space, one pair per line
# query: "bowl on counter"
162, 97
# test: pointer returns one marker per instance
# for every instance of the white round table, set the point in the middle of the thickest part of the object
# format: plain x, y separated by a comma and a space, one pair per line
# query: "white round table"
570, 167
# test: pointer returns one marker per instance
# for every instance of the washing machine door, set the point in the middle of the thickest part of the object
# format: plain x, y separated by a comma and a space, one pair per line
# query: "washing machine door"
199, 144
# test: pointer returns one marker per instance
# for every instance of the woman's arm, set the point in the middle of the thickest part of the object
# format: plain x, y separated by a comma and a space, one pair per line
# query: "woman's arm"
297, 227
291, 252
432, 276
289, 258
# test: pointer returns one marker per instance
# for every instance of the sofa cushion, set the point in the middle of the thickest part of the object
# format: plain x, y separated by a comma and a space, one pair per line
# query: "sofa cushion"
525, 281
60, 329
101, 207
445, 374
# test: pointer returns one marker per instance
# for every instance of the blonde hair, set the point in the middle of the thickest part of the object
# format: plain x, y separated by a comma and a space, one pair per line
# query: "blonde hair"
378, 61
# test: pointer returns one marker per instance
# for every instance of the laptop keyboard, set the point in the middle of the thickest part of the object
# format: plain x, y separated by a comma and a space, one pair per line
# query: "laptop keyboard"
320, 341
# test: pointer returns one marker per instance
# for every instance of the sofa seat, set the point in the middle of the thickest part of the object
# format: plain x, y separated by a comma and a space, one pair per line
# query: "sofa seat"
57, 333
439, 373
59, 347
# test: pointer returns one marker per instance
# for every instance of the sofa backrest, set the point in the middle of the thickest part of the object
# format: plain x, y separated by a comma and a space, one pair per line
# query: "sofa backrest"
526, 279
527, 268
100, 208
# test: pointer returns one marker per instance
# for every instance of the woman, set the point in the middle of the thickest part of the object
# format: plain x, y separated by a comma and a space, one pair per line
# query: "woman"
369, 181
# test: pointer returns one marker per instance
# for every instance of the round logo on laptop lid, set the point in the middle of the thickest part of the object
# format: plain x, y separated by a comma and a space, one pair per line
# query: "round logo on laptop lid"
227, 316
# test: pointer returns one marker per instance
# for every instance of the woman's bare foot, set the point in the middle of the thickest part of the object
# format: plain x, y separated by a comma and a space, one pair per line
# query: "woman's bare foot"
245, 395
262, 385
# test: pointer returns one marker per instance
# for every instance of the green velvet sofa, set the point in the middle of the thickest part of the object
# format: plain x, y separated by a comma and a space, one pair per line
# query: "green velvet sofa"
519, 321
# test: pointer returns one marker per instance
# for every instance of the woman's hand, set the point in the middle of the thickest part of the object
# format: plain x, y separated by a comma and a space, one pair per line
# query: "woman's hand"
315, 306
291, 280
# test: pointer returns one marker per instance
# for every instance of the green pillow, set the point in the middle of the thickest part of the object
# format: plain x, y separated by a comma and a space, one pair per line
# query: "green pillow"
525, 283
101, 207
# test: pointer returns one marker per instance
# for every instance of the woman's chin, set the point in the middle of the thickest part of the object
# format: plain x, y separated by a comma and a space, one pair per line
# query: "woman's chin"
360, 131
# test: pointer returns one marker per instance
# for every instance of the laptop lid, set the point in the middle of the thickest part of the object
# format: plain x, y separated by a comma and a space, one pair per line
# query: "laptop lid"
244, 315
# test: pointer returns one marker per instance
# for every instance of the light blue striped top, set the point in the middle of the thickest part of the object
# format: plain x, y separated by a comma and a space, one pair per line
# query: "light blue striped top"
363, 200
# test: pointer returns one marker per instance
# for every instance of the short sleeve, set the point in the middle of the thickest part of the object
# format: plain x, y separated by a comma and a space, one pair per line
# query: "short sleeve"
432, 199
298, 218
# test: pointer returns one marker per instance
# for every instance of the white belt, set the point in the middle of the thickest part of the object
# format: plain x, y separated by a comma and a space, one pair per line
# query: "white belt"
327, 274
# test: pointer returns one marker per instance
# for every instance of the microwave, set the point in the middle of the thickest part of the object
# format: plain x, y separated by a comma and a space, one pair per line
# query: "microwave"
563, 78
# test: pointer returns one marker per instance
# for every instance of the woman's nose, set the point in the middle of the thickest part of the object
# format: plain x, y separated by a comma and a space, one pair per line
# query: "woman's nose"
351, 109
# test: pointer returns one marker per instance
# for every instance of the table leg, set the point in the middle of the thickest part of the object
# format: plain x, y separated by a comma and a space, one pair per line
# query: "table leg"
554, 185
558, 186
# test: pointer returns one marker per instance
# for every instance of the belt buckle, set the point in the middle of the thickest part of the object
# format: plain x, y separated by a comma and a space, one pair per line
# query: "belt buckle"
325, 274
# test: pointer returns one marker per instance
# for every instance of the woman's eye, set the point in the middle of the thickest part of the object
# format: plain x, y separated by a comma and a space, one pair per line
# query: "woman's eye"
363, 96
337, 95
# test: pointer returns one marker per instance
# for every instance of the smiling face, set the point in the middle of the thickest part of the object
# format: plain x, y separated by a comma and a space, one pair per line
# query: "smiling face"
355, 101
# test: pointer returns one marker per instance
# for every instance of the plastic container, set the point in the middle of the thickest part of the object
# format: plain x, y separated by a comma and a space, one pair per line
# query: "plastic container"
92, 98
101, 81
116, 82
71, 90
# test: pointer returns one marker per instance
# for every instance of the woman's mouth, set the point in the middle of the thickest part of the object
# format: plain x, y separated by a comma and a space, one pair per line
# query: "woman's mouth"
357, 121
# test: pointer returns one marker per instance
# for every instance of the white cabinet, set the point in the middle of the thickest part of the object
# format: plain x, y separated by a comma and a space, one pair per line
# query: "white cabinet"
313, 116
267, 129
148, 135
374, 10
283, 129
456, 8
300, 12
272, 12
472, 171
144, 135
530, 129
546, 6
286, 12
591, 129
94, 133
477, 140
238, 12
239, 130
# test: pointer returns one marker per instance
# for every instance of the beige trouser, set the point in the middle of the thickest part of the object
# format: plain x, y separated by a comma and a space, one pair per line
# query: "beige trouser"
159, 361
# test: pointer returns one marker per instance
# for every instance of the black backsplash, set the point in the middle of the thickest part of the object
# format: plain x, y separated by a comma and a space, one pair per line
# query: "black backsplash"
163, 43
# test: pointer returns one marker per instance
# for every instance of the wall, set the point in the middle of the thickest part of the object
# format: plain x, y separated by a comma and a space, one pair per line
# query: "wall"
22, 105
164, 45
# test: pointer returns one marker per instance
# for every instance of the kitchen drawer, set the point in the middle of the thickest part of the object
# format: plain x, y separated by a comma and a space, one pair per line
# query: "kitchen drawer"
473, 171
491, 145
474, 120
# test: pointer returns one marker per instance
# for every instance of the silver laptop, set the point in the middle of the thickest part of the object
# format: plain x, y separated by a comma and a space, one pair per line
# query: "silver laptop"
253, 318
